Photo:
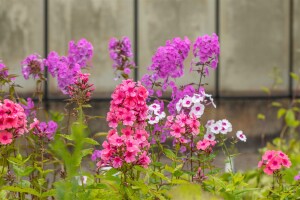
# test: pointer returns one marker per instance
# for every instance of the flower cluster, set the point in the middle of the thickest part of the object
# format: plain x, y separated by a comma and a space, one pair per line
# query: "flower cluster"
121, 54
33, 65
3, 70
219, 127
80, 91
191, 105
44, 129
128, 110
182, 127
29, 108
155, 113
80, 53
206, 144
207, 50
167, 63
13, 122
66, 68
274, 160
128, 105
96, 155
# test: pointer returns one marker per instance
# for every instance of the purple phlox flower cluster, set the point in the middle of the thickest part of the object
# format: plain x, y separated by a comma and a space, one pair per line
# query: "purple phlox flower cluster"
66, 68
44, 129
29, 108
33, 65
167, 63
96, 154
80, 53
3, 70
121, 53
207, 49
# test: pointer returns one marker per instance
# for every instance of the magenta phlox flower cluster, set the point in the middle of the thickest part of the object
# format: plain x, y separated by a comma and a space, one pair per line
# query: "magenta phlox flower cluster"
121, 53
207, 49
13, 122
128, 111
66, 68
274, 160
44, 129
182, 127
167, 63
33, 65
96, 155
80, 53
3, 70
29, 108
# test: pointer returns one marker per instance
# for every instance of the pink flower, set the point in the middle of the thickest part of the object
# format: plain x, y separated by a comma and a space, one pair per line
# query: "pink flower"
115, 140
5, 137
205, 144
117, 163
130, 156
274, 160
177, 130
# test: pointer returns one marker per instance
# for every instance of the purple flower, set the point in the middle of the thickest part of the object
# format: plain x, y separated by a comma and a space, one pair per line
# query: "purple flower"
297, 177
207, 49
3, 70
96, 154
52, 63
80, 53
29, 108
44, 129
32, 65
121, 53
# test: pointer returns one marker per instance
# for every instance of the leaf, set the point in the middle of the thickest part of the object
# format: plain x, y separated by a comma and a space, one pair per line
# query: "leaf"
49, 193
276, 104
170, 154
22, 190
280, 113
68, 137
160, 175
261, 116
266, 90
294, 76
90, 141
290, 119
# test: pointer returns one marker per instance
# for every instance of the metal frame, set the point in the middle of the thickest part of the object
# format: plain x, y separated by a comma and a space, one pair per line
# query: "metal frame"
217, 95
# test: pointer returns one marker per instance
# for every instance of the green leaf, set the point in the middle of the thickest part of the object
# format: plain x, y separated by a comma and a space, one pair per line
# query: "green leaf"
160, 175
266, 90
21, 190
68, 137
280, 113
170, 154
294, 76
276, 104
290, 118
49, 193
91, 141
261, 116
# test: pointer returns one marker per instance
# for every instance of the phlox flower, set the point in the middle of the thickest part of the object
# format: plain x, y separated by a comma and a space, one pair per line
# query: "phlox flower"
187, 102
96, 154
5, 137
274, 160
32, 65
197, 110
209, 136
241, 136
205, 144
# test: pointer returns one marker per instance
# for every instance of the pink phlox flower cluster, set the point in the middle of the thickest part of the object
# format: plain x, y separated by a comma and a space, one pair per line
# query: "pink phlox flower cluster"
241, 136
191, 105
182, 127
33, 65
13, 122
155, 114
130, 147
44, 129
80, 53
66, 68
121, 53
3, 70
207, 49
206, 145
167, 63
81, 89
274, 160
29, 108
128, 105
128, 110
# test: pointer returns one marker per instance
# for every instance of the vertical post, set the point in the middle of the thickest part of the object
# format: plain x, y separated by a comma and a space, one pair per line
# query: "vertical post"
291, 46
217, 77
136, 37
46, 103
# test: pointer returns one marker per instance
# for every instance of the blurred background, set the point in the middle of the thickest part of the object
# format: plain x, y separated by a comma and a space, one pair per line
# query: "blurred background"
259, 40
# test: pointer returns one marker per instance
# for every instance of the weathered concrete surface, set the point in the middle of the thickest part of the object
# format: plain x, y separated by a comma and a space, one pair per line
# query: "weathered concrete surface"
162, 20
254, 39
97, 21
21, 34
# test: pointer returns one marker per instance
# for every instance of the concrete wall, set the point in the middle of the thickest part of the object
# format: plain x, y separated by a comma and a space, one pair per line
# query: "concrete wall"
254, 39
